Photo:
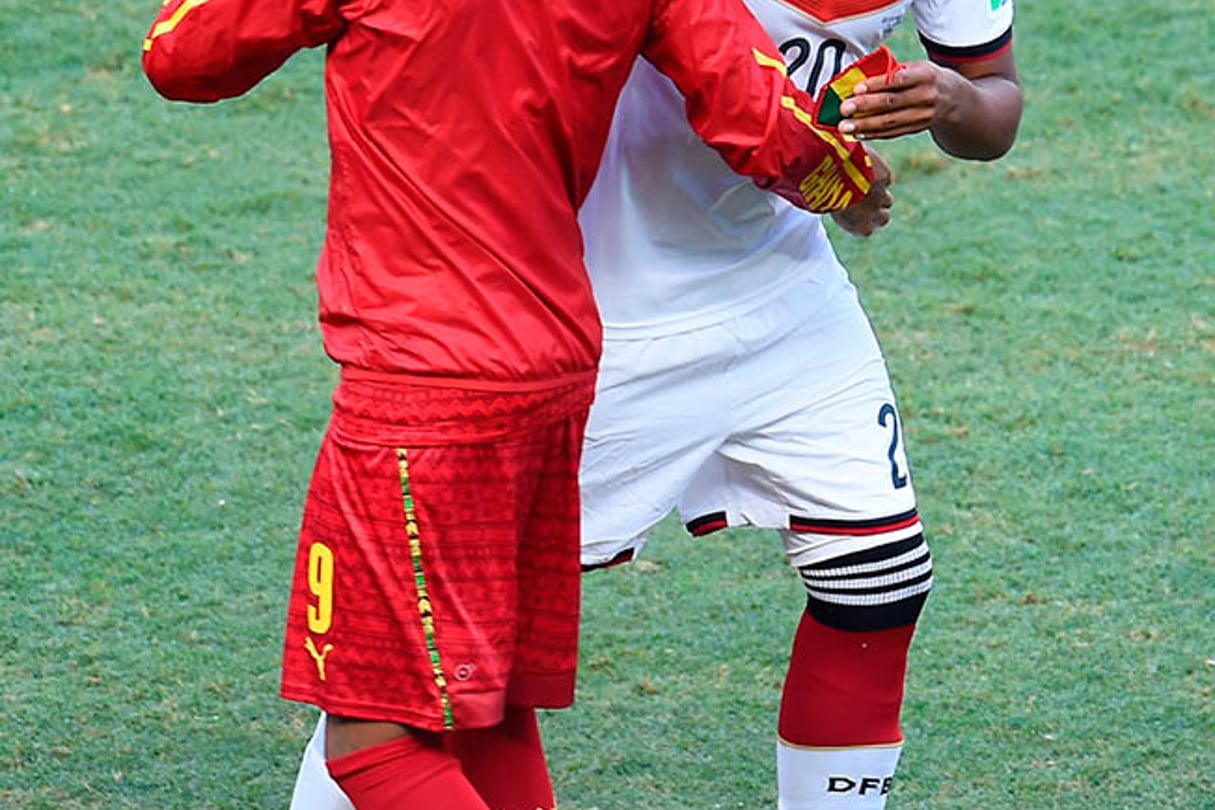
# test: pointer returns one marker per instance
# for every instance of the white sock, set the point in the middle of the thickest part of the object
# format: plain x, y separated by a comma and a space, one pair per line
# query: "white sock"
835, 778
314, 788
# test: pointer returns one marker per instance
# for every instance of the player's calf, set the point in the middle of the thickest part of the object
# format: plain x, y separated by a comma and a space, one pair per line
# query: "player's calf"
840, 738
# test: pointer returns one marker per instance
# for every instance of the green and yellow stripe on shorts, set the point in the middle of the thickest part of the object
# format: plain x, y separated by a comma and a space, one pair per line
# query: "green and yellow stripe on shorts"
425, 612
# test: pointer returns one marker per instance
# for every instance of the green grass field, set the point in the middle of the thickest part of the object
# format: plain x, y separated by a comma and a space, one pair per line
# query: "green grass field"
1049, 320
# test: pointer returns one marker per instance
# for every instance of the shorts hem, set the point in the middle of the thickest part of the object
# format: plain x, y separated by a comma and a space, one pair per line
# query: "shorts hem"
542, 691
471, 711
367, 711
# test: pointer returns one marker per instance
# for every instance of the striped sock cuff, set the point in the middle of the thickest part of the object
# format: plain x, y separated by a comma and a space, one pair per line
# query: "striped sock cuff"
874, 589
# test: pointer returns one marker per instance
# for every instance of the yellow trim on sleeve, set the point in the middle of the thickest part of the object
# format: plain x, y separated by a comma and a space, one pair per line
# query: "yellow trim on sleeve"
789, 103
769, 61
165, 26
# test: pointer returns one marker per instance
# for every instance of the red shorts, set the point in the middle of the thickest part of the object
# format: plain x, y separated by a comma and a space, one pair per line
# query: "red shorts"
437, 576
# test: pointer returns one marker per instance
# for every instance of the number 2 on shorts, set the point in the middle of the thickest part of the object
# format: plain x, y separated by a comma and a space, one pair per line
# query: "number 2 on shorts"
888, 413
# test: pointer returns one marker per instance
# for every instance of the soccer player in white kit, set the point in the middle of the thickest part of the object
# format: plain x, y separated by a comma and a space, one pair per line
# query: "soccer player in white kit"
741, 382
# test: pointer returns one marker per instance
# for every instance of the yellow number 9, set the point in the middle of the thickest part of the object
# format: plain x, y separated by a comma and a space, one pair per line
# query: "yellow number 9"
320, 582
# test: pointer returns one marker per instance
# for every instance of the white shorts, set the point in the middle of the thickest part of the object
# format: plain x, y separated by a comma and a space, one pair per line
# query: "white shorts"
775, 419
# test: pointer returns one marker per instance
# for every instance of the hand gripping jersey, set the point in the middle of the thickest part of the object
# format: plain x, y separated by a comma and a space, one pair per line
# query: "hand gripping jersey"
464, 136
675, 240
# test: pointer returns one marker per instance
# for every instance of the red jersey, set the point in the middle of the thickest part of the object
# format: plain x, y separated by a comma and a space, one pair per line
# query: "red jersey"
464, 136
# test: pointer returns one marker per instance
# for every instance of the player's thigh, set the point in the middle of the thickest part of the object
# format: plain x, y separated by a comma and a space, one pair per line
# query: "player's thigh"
659, 412
833, 470
817, 430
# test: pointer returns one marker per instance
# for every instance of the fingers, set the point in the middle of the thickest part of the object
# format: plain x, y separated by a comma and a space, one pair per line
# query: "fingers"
885, 127
888, 115
879, 220
904, 105
882, 173
868, 215
884, 200
863, 226
852, 224
904, 77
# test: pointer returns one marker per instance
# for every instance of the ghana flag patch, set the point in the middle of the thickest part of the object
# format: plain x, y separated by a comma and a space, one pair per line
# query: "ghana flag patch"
827, 106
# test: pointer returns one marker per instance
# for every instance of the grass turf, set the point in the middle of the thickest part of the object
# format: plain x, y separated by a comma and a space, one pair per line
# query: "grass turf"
1050, 324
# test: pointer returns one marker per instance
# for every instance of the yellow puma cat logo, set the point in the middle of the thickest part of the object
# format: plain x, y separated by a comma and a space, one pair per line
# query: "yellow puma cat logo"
319, 657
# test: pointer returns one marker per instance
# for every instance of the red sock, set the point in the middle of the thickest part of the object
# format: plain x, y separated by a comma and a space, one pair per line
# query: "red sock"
408, 772
506, 763
844, 688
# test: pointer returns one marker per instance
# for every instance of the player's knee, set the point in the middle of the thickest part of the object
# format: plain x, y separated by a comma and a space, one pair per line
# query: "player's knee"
875, 589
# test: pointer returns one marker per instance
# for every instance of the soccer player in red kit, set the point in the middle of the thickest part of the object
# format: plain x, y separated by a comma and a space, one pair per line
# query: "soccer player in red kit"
435, 595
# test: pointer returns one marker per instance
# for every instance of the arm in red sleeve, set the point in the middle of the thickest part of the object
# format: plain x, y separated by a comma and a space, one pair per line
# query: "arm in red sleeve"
207, 50
740, 101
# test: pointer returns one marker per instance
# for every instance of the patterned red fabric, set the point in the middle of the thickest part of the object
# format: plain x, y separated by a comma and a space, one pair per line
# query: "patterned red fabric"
451, 568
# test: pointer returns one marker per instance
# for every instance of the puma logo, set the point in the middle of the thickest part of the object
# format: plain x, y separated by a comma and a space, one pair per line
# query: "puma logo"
319, 657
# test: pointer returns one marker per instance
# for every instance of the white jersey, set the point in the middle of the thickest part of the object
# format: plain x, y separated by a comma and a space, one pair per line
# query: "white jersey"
674, 239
